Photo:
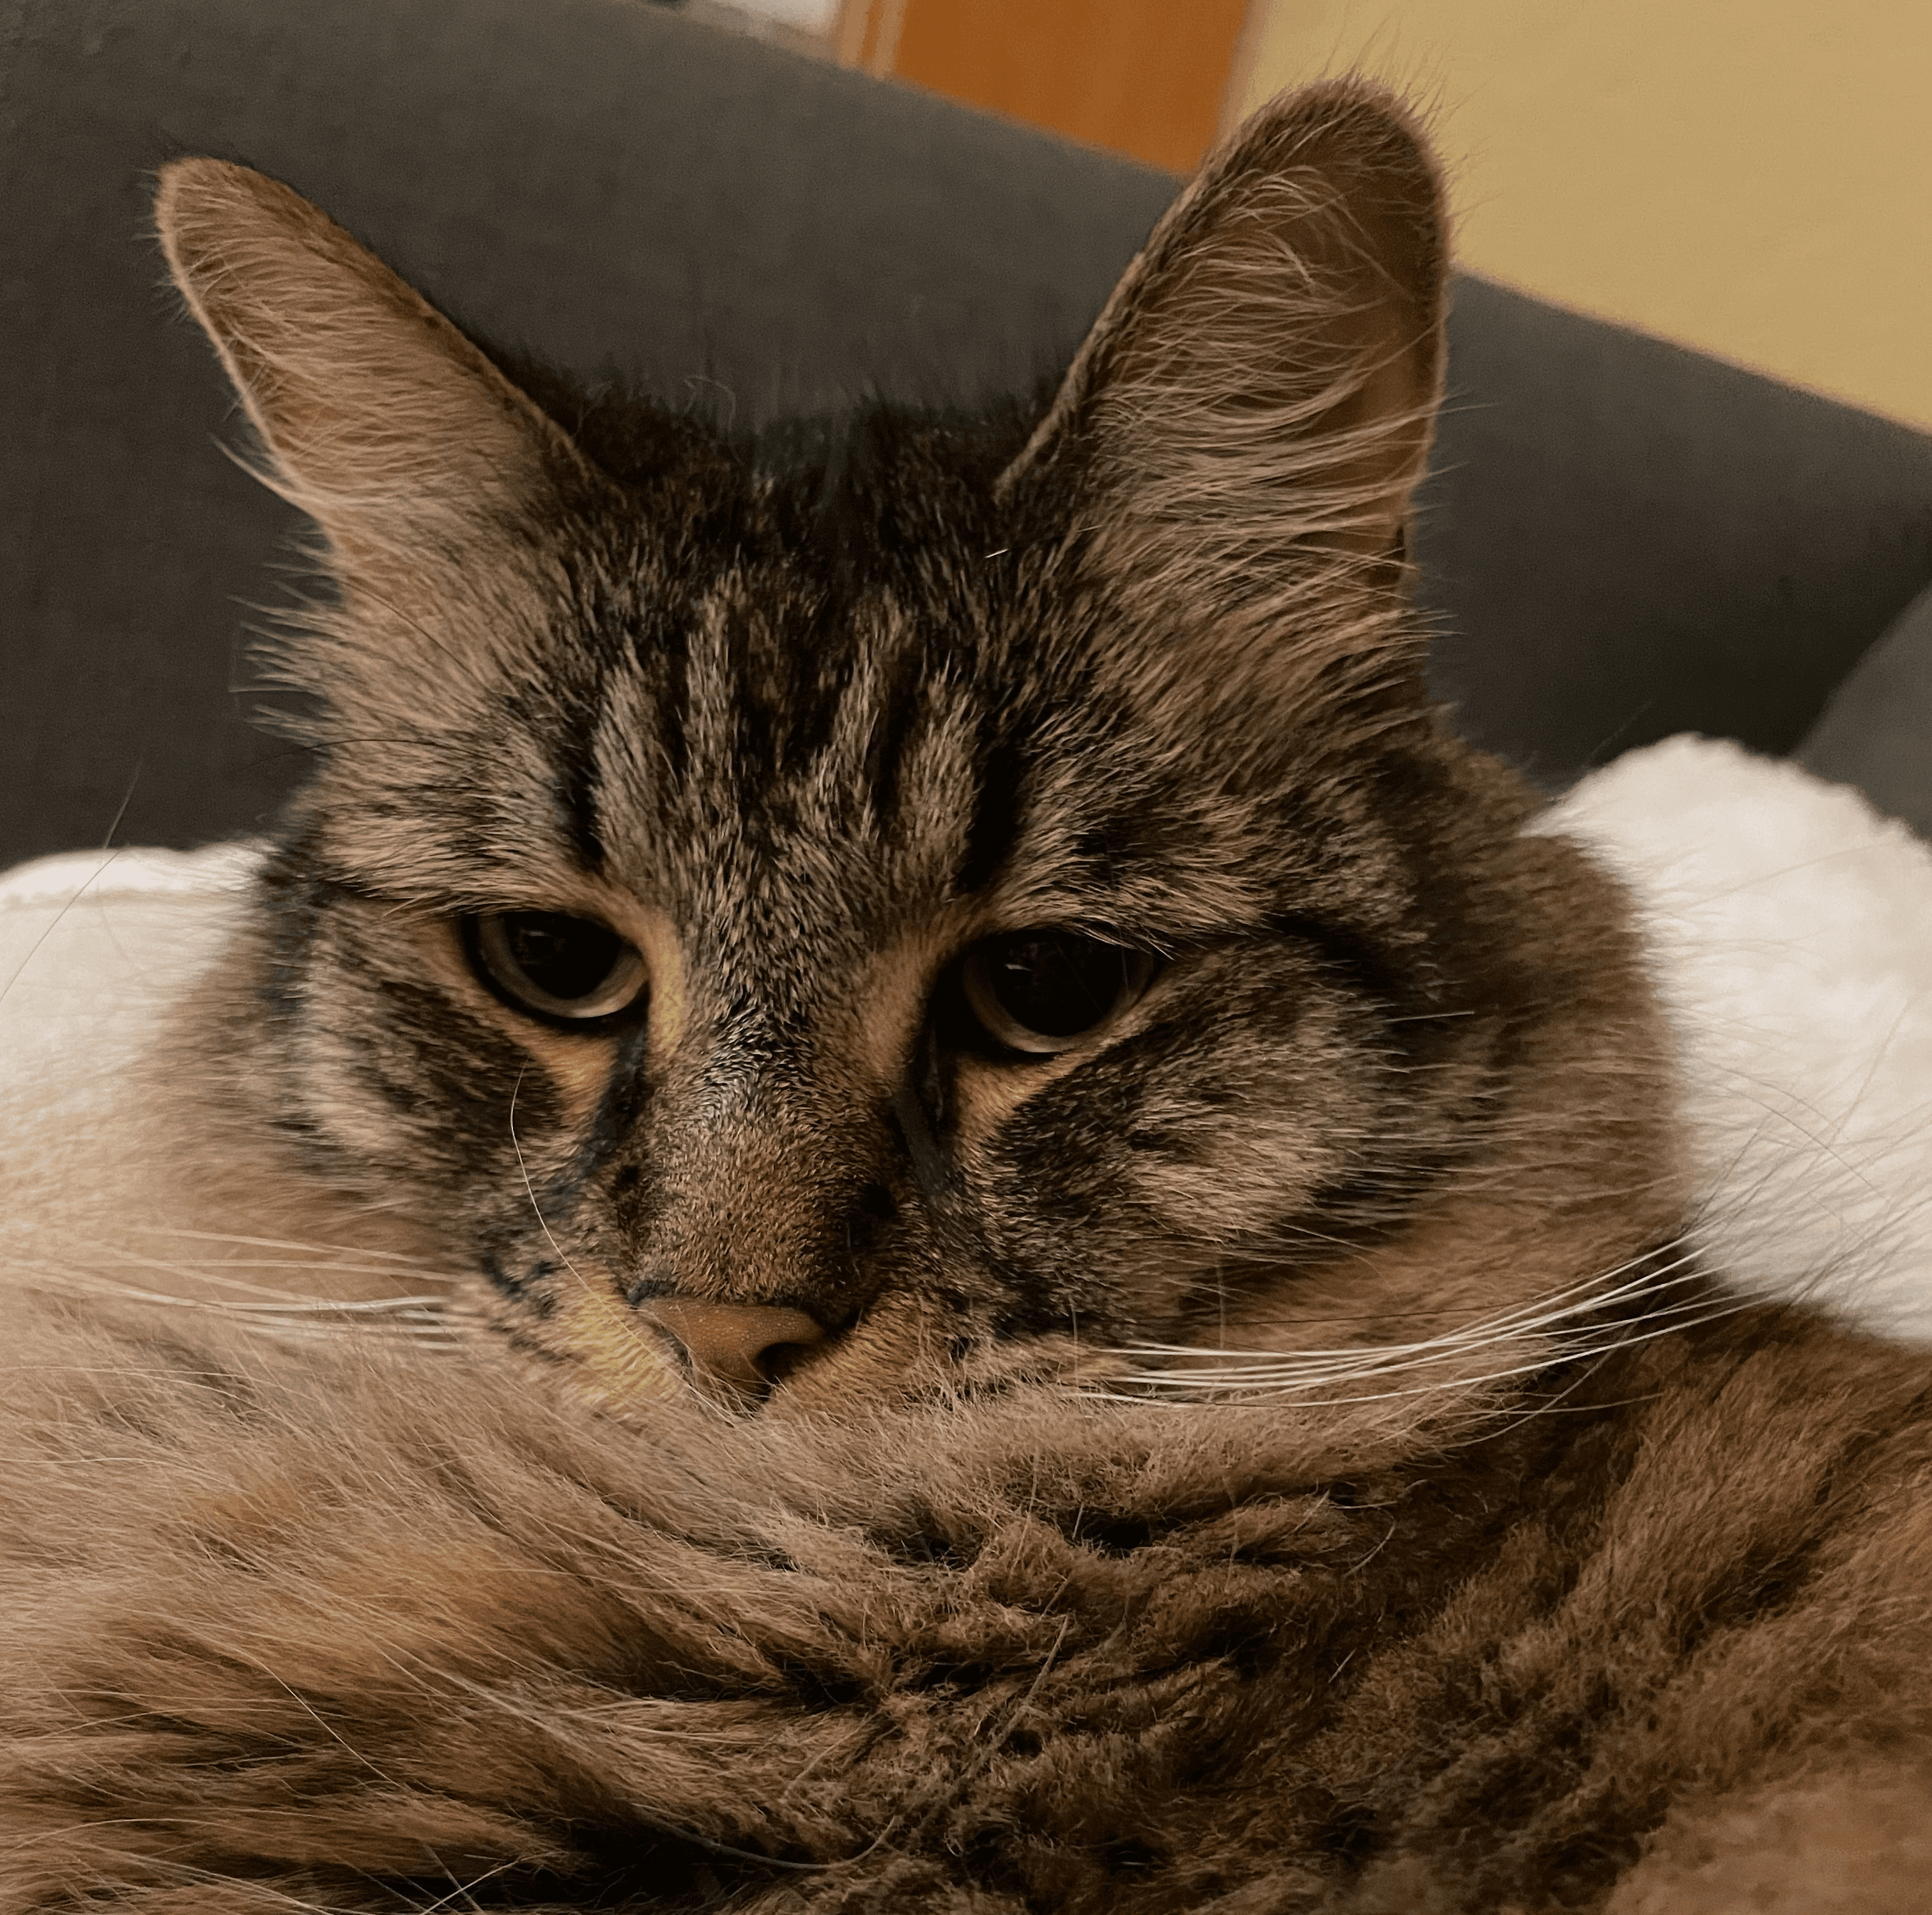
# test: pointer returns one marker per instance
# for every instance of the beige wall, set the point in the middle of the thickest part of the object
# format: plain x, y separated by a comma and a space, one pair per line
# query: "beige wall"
1751, 177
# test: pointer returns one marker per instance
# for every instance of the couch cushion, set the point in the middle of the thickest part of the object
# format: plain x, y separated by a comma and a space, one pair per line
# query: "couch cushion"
1877, 732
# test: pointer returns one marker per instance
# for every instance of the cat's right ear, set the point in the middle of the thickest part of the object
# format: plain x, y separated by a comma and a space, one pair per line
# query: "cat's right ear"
383, 423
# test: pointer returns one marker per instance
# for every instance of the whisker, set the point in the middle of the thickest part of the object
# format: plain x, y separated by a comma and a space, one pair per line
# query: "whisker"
1522, 1319
1609, 1346
1567, 1325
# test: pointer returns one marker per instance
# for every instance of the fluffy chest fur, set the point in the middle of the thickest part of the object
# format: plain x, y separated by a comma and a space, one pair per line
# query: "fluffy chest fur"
371, 1637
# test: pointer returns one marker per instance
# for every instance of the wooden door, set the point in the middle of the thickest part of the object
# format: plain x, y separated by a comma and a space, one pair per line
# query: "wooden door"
1150, 79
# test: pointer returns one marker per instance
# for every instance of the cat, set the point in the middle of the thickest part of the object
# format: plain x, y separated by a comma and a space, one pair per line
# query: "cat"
1056, 1233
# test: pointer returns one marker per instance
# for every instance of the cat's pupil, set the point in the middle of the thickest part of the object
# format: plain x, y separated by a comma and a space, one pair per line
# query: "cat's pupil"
1038, 991
1058, 986
566, 957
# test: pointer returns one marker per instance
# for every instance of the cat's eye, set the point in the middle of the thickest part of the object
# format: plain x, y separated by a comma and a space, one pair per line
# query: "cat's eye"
1039, 992
555, 965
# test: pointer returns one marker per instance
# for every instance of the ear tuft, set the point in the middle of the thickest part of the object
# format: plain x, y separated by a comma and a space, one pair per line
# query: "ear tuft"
383, 422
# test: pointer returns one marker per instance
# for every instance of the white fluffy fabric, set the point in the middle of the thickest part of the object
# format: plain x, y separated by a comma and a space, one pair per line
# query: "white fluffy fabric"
95, 947
1791, 927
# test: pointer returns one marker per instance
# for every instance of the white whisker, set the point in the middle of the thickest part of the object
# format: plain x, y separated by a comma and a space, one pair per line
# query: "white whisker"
1566, 1325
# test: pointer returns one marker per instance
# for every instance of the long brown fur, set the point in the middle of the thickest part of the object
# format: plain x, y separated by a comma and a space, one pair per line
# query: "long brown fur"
1273, 1452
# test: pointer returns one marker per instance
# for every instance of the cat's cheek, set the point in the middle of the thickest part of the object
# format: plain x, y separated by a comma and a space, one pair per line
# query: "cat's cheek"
989, 1098
1227, 1183
366, 1096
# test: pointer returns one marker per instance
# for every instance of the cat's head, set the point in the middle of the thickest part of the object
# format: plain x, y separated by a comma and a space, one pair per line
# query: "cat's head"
957, 901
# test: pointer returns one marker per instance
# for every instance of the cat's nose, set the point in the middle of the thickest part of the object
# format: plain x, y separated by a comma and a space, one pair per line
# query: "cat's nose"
744, 1345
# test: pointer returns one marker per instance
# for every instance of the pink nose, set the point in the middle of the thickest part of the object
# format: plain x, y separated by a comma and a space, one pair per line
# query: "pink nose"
732, 1343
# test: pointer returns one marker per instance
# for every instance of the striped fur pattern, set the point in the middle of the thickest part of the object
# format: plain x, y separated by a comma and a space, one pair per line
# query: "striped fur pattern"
1271, 1453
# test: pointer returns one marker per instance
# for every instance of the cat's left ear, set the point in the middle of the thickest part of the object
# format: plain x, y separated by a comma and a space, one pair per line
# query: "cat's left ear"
383, 422
1256, 404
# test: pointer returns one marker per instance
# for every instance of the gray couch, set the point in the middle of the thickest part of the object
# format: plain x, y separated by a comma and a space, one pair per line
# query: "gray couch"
1623, 539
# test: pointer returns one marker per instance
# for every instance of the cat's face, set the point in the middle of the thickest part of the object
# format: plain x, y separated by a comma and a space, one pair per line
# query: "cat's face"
926, 909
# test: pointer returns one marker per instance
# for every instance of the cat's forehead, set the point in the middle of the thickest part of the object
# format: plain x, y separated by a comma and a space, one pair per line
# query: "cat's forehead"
885, 693
814, 700
875, 739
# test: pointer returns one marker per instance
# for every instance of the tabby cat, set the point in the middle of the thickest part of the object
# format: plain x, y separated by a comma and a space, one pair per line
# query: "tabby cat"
1044, 1235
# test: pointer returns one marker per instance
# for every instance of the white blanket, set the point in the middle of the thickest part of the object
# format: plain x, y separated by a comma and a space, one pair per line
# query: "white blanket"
1791, 928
